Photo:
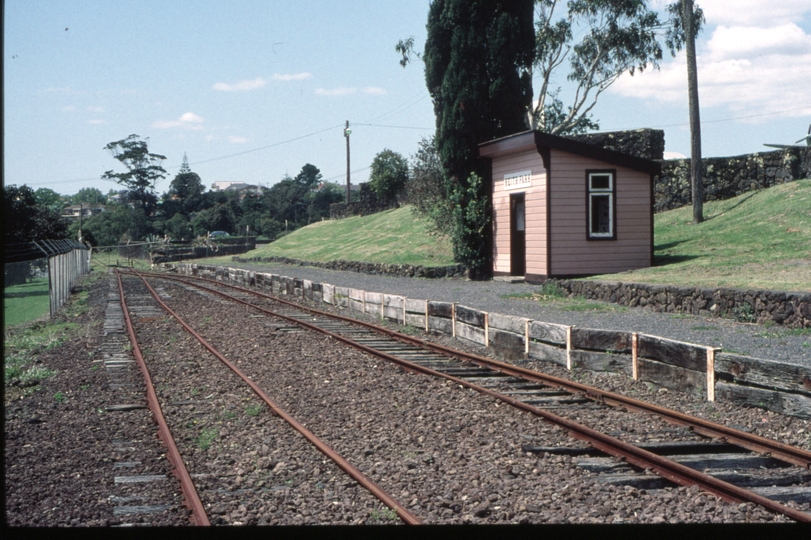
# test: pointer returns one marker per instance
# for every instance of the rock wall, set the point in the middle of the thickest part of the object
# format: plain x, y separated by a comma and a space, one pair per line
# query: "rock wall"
727, 177
402, 270
724, 177
367, 205
644, 143
788, 309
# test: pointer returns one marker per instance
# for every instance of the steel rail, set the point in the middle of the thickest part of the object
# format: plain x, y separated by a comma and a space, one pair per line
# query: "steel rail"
325, 449
190, 495
669, 469
755, 443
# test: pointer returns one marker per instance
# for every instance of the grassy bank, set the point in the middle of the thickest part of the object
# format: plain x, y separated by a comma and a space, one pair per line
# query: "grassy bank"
759, 240
394, 236
26, 302
23, 340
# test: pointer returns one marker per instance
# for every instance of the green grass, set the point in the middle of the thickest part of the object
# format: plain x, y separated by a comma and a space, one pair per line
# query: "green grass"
394, 236
101, 260
207, 437
759, 240
549, 294
26, 302
21, 346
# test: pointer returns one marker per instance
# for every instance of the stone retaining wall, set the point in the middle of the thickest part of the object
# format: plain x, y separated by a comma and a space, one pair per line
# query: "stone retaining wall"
401, 270
644, 143
686, 367
724, 177
727, 177
788, 309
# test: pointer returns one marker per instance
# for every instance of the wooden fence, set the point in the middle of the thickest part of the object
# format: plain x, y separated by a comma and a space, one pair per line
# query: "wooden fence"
686, 367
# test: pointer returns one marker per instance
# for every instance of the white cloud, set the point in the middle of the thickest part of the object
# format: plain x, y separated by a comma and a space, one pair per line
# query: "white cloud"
96, 122
292, 77
754, 12
210, 137
187, 120
95, 109
241, 86
69, 108
738, 41
374, 91
191, 117
237, 140
339, 91
757, 64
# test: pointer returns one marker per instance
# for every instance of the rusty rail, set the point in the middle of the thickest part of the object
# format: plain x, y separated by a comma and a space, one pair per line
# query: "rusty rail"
350, 469
666, 468
190, 495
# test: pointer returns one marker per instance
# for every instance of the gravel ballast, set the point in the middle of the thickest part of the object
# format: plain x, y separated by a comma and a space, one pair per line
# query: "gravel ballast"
449, 454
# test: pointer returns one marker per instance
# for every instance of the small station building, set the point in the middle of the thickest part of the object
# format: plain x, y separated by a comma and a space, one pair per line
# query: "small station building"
563, 208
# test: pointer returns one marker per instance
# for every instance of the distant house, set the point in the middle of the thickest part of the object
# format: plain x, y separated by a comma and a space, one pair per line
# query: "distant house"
74, 211
567, 208
233, 186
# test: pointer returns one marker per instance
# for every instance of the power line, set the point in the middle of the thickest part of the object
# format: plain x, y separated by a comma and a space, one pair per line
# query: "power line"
394, 127
267, 146
729, 119
407, 104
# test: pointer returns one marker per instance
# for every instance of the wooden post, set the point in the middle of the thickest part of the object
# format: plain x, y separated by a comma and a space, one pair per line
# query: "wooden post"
569, 348
635, 355
711, 373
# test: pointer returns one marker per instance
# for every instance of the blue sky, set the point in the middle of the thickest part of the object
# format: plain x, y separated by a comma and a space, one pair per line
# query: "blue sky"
252, 90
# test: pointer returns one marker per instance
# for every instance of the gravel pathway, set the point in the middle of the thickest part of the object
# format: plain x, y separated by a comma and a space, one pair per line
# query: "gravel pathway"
771, 343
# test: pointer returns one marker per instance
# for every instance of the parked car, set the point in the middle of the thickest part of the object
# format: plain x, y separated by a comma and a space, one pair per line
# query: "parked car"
219, 234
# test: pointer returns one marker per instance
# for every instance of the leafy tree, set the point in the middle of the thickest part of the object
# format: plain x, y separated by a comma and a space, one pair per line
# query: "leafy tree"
320, 201
389, 175
478, 56
290, 199
48, 198
178, 227
613, 37
269, 228
24, 219
117, 222
89, 195
187, 187
143, 170
309, 177
425, 188
685, 23
221, 217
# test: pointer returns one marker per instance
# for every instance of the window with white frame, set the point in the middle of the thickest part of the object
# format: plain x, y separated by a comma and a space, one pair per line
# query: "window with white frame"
601, 211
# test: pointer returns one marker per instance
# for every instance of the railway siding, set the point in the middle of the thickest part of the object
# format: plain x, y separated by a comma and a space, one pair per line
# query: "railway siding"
685, 367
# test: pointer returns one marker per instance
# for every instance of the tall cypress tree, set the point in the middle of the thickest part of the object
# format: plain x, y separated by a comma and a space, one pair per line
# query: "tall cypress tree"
478, 56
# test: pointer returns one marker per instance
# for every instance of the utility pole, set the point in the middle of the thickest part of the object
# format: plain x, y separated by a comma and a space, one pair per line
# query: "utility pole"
697, 181
347, 133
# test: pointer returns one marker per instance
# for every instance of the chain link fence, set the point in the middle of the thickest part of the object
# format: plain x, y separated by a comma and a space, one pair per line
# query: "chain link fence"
62, 262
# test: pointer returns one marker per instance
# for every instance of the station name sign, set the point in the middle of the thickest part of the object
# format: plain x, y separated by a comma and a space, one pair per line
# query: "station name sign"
518, 180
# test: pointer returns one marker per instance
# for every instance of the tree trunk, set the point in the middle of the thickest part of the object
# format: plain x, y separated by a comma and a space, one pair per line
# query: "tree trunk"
695, 120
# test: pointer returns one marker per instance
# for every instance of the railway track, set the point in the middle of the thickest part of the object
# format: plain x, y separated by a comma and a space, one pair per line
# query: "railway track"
540, 395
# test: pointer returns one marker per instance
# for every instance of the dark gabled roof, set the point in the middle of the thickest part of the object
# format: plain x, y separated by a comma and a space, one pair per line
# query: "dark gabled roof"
543, 142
